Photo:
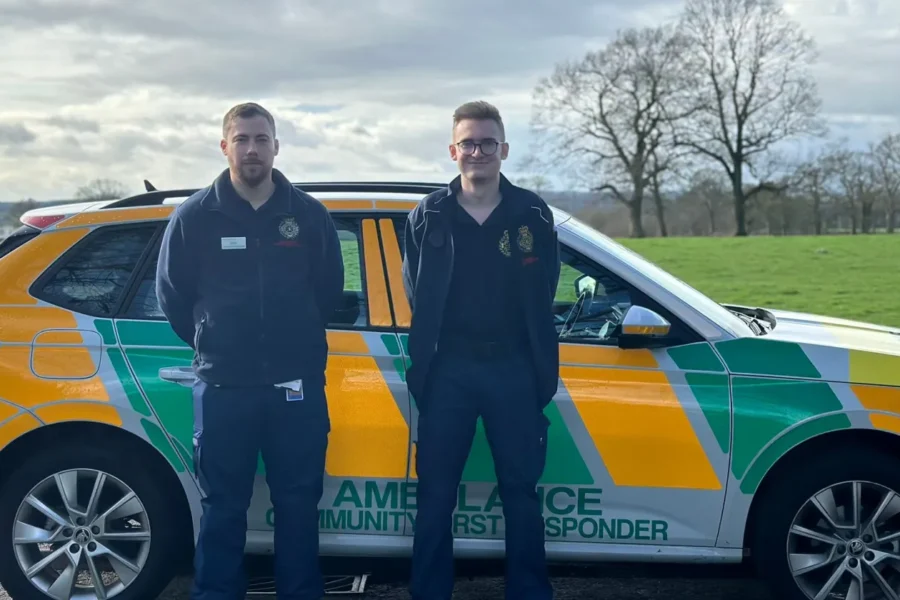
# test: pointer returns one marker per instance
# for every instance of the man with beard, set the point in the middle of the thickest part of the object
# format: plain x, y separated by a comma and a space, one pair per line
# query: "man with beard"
250, 271
481, 268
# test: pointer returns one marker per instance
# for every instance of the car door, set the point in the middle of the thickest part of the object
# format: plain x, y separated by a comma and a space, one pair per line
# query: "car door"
367, 454
652, 425
638, 439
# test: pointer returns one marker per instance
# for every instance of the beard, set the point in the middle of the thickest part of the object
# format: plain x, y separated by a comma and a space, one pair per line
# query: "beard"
253, 175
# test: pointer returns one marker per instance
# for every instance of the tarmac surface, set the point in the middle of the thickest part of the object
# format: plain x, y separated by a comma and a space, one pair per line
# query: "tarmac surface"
484, 581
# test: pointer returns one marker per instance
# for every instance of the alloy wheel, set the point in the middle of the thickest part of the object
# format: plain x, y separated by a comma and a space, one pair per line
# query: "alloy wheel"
81, 534
844, 542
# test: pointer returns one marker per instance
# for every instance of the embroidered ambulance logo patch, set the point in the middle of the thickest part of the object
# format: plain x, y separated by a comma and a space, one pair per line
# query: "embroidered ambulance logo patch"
526, 240
289, 228
504, 244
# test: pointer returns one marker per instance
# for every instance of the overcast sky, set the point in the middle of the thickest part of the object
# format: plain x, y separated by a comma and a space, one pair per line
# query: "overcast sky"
137, 89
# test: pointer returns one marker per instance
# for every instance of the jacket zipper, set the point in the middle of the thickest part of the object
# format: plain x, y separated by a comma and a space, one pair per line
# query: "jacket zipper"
259, 272
262, 310
445, 281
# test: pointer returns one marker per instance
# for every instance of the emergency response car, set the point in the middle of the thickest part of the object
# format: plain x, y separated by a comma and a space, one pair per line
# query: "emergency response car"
683, 430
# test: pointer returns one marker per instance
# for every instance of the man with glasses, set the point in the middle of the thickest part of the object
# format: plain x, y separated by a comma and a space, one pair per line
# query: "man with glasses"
481, 268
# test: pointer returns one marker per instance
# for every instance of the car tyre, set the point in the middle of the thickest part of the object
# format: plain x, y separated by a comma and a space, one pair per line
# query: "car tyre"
122, 472
801, 496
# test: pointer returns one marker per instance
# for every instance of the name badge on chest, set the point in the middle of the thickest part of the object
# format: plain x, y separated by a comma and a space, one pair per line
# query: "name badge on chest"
234, 243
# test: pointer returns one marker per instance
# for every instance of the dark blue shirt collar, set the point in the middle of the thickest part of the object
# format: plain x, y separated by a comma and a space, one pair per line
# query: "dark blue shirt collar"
226, 199
512, 199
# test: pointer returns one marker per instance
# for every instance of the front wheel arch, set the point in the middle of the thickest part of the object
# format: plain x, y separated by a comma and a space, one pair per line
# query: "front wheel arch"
876, 440
45, 439
794, 563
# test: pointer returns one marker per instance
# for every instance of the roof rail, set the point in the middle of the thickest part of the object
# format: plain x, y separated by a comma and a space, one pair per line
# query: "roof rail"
150, 198
156, 197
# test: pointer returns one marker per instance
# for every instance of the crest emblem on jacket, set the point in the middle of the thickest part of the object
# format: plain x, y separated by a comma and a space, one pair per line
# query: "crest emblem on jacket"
525, 240
289, 228
504, 244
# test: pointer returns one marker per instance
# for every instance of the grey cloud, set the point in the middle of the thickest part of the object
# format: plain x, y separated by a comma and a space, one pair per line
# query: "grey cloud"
320, 22
869, 7
118, 147
74, 124
328, 46
288, 132
318, 108
15, 133
127, 143
316, 61
61, 147
856, 77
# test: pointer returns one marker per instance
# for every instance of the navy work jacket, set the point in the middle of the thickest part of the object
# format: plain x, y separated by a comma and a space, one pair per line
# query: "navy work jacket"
251, 291
427, 266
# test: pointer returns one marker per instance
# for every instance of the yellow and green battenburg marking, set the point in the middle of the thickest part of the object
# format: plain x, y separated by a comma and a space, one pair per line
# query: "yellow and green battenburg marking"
768, 405
564, 462
765, 407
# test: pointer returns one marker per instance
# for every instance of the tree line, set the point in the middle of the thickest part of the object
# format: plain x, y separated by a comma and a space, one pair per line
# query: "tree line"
93, 191
681, 124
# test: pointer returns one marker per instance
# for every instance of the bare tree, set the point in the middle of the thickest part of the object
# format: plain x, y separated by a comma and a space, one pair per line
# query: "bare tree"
10, 219
656, 188
707, 190
752, 89
857, 186
780, 209
887, 161
813, 179
101, 189
608, 112
536, 183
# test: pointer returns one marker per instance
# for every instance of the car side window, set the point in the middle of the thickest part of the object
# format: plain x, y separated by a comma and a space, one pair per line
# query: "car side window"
92, 277
144, 304
590, 302
352, 312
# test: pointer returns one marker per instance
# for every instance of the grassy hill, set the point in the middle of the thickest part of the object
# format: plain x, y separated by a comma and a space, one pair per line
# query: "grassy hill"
854, 277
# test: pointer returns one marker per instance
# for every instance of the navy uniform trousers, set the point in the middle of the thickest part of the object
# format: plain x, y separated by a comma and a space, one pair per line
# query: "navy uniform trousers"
461, 386
232, 425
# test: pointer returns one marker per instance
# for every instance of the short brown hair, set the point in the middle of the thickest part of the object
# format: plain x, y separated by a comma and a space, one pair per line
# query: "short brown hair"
478, 110
245, 111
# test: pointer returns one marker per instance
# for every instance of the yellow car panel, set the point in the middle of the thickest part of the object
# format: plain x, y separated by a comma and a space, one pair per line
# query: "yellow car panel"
647, 448
19, 270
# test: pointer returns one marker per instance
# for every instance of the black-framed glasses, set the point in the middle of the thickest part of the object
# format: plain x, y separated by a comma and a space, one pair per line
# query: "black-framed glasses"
488, 147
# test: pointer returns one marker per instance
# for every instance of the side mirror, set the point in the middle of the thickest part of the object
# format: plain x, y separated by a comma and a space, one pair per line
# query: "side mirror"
642, 328
585, 284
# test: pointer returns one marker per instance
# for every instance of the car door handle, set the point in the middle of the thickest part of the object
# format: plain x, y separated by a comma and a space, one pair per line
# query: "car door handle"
180, 375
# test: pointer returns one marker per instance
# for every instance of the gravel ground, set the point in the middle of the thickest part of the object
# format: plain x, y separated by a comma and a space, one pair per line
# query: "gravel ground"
604, 583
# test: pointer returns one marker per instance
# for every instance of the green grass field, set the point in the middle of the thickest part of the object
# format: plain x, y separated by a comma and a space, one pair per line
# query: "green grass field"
853, 277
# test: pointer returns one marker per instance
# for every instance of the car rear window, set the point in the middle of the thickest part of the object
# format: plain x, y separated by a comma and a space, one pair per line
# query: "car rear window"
17, 238
91, 277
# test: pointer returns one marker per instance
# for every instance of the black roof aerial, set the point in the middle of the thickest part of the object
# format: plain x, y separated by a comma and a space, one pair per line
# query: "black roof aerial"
154, 197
